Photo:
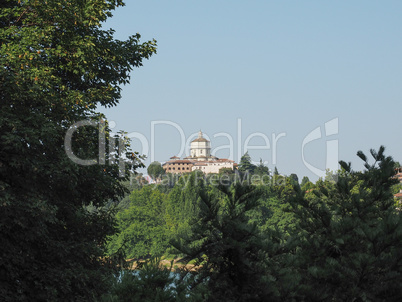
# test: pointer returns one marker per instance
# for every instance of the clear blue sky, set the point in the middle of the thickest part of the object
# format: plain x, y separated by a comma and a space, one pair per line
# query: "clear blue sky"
279, 66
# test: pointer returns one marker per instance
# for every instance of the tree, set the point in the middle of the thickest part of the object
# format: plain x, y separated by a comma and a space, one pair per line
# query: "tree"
152, 282
226, 246
183, 202
274, 210
228, 171
294, 178
306, 184
285, 187
58, 66
155, 170
261, 169
142, 230
304, 181
245, 164
349, 236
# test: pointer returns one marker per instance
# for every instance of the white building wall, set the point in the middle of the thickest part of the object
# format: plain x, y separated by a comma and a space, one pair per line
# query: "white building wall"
213, 167
200, 149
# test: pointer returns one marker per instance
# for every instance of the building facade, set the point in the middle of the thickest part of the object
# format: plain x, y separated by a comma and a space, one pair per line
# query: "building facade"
178, 166
398, 174
200, 159
200, 148
213, 166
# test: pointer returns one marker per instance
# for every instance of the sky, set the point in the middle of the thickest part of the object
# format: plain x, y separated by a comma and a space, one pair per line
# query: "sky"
304, 83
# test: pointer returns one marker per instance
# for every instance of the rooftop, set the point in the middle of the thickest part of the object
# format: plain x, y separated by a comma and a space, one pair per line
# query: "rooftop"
200, 138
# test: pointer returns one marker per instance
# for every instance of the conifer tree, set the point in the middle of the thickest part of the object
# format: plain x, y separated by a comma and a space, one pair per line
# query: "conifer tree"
245, 164
226, 245
349, 241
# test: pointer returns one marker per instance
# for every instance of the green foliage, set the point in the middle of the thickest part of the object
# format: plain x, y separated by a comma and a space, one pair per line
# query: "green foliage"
135, 182
246, 165
396, 188
273, 213
228, 171
152, 282
304, 181
306, 184
294, 178
285, 187
226, 245
349, 238
182, 204
261, 169
58, 65
331, 176
141, 227
155, 170
329, 241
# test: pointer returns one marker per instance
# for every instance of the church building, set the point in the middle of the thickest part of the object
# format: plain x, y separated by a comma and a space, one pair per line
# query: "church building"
200, 159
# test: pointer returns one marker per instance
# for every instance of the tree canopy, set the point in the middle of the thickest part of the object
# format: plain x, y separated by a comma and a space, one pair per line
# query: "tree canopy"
261, 169
58, 65
276, 241
246, 164
155, 170
349, 235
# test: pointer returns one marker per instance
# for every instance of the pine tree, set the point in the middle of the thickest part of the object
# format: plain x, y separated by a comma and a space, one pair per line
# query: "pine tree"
245, 164
227, 246
349, 241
